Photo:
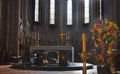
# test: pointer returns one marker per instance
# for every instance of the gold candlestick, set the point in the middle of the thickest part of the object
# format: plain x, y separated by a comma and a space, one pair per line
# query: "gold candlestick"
84, 52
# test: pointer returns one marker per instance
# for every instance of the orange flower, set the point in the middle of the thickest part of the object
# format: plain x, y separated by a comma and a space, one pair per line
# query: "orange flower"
104, 36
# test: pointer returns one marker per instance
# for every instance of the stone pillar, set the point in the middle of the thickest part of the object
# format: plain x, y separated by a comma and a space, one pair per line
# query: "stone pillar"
61, 16
13, 26
19, 21
76, 4
7, 34
45, 13
0, 21
8, 24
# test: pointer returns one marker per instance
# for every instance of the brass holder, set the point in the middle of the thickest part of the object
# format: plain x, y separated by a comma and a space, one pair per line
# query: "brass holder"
34, 42
68, 43
37, 42
83, 55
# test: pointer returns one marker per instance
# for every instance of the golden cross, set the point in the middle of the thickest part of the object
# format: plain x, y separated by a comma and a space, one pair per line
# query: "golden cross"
61, 36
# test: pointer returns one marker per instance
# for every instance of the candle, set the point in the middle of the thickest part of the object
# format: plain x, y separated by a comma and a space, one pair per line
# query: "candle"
83, 42
35, 35
38, 35
32, 35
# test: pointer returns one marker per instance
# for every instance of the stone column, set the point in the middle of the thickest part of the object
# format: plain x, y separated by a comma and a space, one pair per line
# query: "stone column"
61, 16
19, 19
0, 21
7, 34
77, 16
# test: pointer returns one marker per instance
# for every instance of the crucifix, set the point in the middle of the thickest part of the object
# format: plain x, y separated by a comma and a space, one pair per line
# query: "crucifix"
62, 36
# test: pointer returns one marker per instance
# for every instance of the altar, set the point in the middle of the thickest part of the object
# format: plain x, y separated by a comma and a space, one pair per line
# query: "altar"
53, 52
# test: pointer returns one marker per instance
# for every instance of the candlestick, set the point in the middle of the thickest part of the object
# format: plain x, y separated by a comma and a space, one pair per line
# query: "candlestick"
35, 35
84, 52
38, 35
32, 35
58, 57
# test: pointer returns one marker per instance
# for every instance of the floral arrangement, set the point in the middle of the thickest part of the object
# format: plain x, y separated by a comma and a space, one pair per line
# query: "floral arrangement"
104, 32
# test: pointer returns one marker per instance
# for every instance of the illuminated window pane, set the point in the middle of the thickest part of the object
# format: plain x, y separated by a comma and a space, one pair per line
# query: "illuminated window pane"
52, 1
69, 12
52, 11
86, 20
36, 10
52, 21
69, 22
52, 5
86, 11
52, 17
100, 10
70, 17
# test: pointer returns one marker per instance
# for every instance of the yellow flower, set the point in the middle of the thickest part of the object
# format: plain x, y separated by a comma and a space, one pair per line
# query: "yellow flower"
93, 37
96, 45
104, 36
111, 23
92, 30
106, 21
100, 30
99, 39
115, 26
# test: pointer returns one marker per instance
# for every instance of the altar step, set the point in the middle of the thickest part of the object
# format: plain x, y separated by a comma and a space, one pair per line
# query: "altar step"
7, 70
53, 67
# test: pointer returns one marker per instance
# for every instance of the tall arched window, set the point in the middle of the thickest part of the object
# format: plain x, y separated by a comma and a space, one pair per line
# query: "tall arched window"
86, 11
36, 15
89, 12
100, 9
52, 12
69, 12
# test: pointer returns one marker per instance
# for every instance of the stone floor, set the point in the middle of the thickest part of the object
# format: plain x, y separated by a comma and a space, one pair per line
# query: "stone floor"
5, 69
